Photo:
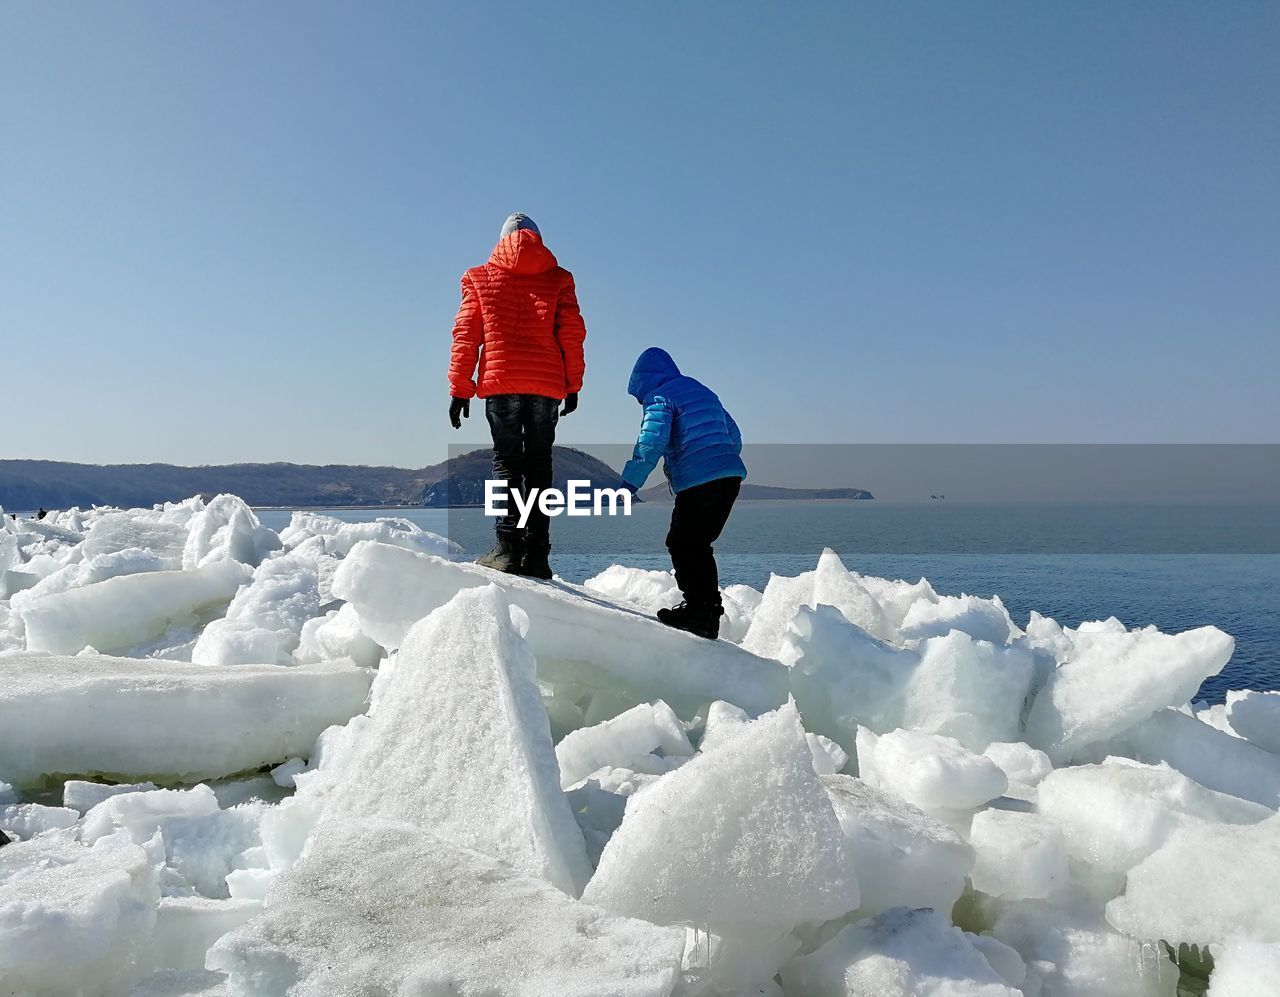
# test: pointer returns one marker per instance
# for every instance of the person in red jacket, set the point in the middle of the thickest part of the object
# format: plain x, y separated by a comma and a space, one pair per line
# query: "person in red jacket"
521, 323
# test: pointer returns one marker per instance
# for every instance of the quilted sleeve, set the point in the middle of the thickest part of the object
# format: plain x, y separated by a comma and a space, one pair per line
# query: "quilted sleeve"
735, 434
468, 336
655, 434
570, 333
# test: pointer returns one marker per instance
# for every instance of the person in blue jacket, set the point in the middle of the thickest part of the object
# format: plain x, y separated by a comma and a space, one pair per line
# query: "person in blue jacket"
700, 445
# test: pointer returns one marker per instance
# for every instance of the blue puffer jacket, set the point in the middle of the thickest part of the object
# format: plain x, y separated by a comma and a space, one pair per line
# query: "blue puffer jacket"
684, 423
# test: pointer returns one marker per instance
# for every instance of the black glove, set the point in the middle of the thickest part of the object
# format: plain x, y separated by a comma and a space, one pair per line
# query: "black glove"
570, 403
459, 409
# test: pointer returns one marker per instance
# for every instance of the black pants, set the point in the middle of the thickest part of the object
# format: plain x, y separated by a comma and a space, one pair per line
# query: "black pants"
524, 430
696, 521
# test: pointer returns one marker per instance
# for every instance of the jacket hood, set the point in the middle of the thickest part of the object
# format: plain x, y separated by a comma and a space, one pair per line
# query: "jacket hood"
522, 252
654, 368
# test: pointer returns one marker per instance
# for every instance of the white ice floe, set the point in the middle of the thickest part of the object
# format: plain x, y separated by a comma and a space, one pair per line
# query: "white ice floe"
75, 919
935, 773
337, 634
165, 720
1109, 682
425, 832
1115, 814
1020, 855
227, 529
844, 678
1071, 952
1245, 969
264, 622
337, 538
1255, 716
458, 743
448, 920
900, 953
626, 741
1206, 883
1215, 759
741, 837
575, 640
118, 613
902, 856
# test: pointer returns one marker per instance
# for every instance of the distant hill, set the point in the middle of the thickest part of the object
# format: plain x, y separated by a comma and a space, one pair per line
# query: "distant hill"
462, 484
772, 493
30, 484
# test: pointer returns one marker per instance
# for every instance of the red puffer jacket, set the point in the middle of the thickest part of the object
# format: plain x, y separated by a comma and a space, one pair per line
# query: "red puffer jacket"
520, 319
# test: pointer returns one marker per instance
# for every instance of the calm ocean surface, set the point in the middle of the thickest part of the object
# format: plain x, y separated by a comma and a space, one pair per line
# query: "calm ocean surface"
1175, 566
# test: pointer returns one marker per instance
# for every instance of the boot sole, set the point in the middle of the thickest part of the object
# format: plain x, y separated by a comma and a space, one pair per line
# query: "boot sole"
510, 569
695, 633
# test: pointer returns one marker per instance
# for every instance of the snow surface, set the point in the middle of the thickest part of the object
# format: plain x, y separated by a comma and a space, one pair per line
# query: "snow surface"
414, 766
388, 908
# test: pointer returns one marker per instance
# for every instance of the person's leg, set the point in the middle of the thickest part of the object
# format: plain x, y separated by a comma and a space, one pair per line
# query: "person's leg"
697, 520
503, 413
539, 417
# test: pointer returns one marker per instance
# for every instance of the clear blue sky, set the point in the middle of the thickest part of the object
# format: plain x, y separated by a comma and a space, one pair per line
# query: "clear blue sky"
234, 231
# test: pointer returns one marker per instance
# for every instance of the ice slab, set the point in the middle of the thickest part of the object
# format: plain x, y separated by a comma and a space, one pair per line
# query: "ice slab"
1074, 954
1206, 884
623, 742
843, 678
25, 820
742, 837
1115, 814
144, 530
782, 598
1019, 855
648, 591
458, 743
337, 635
1255, 716
1111, 681
186, 928
388, 908
1245, 969
119, 613
1022, 763
902, 856
90, 571
227, 529
265, 619
201, 842
337, 538
74, 919
981, 619
1212, 758
168, 721
900, 953
935, 773
575, 637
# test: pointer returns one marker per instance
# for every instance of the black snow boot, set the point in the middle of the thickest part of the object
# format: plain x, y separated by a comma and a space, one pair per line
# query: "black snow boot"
536, 563
704, 621
505, 556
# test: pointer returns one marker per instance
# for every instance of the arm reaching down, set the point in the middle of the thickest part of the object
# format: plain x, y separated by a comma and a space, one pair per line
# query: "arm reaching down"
468, 337
655, 434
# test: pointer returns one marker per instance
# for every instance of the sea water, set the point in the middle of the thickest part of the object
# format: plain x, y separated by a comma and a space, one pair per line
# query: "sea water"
1173, 565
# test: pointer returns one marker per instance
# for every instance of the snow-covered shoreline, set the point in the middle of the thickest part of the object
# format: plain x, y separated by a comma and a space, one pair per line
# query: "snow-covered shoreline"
863, 787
